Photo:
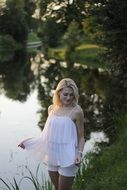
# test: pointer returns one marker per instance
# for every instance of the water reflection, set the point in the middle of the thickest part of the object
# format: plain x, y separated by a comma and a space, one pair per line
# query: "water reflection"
28, 80
27, 71
16, 76
93, 88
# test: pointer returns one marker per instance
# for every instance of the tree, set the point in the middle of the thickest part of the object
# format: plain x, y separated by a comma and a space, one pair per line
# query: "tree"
50, 32
12, 20
71, 38
63, 11
60, 16
110, 19
18, 71
29, 8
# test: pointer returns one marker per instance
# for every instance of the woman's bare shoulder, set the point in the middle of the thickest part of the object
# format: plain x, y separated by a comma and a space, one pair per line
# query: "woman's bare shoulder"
78, 111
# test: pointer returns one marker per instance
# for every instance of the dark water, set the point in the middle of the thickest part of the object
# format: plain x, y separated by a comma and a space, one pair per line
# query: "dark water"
27, 81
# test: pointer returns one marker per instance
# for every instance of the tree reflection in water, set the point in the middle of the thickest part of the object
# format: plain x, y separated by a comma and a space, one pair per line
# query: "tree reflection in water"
93, 88
27, 71
17, 78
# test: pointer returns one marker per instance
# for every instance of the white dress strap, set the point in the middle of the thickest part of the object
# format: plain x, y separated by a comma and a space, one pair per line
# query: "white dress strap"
69, 114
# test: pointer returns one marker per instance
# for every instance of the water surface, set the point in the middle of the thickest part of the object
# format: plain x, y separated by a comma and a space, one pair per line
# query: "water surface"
17, 121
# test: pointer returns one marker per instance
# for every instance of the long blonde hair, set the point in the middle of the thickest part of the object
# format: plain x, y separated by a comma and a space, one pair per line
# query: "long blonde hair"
66, 82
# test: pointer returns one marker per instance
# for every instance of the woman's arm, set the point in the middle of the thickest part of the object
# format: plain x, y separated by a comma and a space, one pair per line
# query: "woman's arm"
80, 133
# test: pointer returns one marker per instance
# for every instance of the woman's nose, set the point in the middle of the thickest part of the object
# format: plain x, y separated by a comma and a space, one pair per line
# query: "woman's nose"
68, 97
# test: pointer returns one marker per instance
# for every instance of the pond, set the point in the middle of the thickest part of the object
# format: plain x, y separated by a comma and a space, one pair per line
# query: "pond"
26, 84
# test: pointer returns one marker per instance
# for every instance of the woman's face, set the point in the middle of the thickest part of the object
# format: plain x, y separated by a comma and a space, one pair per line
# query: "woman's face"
66, 96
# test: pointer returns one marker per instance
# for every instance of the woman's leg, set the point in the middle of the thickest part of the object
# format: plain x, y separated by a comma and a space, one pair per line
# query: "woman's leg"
54, 175
65, 183
66, 177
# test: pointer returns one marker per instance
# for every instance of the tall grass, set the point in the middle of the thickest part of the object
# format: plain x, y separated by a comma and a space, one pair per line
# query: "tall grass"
108, 169
38, 184
9, 185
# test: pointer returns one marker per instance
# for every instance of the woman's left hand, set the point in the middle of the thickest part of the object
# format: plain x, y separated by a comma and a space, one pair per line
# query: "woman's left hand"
78, 159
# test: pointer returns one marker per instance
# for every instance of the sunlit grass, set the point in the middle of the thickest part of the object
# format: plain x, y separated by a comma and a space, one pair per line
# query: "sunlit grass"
57, 53
32, 37
87, 54
87, 46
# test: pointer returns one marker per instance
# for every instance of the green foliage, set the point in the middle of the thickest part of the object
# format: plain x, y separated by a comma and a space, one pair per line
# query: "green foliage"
61, 20
32, 37
108, 169
89, 55
57, 53
115, 30
63, 11
12, 20
92, 29
71, 39
107, 22
86, 54
50, 32
18, 71
29, 8
72, 36
7, 43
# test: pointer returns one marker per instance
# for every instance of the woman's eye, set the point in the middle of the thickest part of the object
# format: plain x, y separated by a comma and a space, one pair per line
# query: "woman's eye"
68, 94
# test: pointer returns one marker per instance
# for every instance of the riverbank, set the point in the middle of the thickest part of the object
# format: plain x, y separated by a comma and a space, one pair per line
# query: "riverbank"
108, 169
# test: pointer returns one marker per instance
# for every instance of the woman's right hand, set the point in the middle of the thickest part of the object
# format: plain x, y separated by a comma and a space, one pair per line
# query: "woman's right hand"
21, 145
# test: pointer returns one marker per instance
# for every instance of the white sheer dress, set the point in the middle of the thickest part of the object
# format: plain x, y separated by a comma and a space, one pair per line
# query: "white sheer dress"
57, 144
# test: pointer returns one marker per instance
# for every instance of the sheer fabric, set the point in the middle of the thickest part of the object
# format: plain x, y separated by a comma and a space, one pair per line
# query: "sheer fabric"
57, 144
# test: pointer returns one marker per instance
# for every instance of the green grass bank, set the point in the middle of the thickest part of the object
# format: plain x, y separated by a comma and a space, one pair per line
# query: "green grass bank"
108, 169
87, 54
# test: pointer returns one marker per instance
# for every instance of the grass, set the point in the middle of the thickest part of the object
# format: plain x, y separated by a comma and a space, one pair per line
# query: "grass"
34, 179
88, 54
107, 170
32, 37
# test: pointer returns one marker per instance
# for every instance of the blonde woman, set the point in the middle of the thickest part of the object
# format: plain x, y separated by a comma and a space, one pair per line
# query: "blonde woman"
62, 140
